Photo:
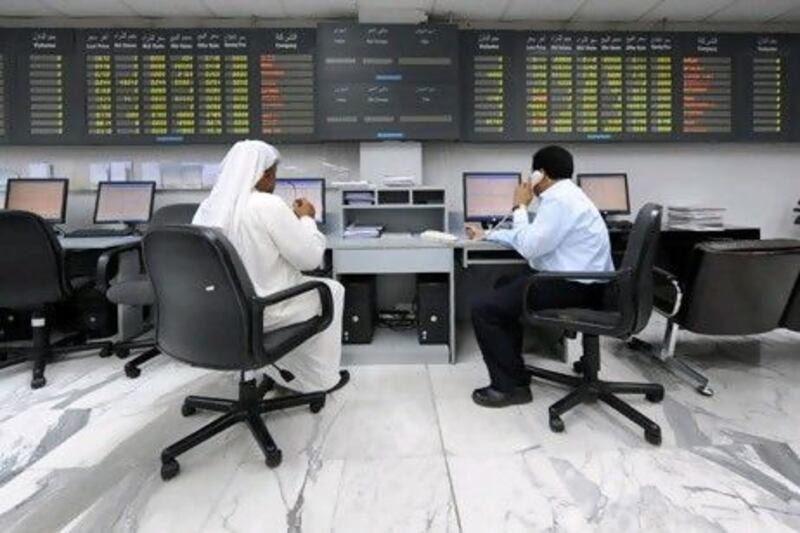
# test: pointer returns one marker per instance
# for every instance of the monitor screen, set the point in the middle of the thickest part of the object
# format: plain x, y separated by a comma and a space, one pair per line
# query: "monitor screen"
489, 195
120, 201
608, 192
312, 189
44, 197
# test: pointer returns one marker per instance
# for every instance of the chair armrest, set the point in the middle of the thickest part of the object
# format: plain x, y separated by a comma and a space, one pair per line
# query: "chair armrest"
668, 278
110, 257
600, 276
325, 297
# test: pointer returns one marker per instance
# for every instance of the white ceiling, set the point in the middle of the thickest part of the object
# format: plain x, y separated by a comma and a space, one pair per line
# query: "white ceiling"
717, 11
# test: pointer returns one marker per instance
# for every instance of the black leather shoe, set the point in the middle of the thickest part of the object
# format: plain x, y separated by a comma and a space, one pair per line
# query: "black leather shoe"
490, 397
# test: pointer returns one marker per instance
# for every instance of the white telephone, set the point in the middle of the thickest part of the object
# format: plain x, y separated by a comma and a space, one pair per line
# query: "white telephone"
535, 177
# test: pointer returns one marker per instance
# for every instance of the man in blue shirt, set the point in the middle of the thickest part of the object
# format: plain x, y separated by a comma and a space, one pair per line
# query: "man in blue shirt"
566, 234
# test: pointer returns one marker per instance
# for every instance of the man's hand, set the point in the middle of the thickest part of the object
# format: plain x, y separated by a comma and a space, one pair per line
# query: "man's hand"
303, 208
523, 194
475, 232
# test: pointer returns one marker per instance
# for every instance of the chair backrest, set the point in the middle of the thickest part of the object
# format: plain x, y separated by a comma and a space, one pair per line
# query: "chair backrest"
739, 287
203, 295
791, 315
173, 214
636, 300
31, 262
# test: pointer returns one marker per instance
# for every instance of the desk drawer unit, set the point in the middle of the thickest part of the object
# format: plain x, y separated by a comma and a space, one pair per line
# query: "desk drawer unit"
393, 261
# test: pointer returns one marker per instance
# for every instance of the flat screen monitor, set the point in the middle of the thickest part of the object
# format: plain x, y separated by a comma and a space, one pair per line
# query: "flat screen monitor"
313, 189
44, 197
124, 202
488, 196
608, 192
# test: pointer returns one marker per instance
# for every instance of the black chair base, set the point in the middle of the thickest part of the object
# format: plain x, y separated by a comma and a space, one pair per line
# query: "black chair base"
588, 388
42, 353
132, 369
247, 409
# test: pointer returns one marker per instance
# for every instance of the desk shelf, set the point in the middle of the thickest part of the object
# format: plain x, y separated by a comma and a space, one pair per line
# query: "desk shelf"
395, 347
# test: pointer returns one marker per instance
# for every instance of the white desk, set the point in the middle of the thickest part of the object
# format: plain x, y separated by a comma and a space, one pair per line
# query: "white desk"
96, 243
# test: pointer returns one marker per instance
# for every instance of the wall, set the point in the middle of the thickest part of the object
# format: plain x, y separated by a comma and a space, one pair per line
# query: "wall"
759, 184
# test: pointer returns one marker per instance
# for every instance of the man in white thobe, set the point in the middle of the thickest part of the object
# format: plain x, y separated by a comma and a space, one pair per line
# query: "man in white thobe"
276, 244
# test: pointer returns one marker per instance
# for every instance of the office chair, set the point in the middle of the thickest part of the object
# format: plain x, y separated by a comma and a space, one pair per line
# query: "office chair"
210, 316
33, 278
629, 303
730, 288
136, 290
791, 316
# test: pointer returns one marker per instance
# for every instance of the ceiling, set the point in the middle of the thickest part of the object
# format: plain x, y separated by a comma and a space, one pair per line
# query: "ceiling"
696, 11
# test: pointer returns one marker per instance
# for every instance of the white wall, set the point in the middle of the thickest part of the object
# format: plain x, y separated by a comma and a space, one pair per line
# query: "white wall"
759, 184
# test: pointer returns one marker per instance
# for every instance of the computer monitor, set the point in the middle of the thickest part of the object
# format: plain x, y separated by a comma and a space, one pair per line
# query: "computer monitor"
609, 192
124, 202
44, 197
313, 189
488, 196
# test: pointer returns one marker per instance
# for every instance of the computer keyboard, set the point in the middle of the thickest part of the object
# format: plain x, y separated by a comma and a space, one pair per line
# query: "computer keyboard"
97, 232
438, 236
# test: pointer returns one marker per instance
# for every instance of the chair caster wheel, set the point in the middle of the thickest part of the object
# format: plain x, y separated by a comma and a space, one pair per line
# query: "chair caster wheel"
132, 372
170, 469
188, 410
638, 344
317, 406
123, 353
577, 367
654, 397
274, 458
556, 424
653, 437
705, 390
38, 382
106, 351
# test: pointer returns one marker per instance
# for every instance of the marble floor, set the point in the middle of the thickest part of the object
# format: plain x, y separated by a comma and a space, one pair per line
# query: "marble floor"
402, 448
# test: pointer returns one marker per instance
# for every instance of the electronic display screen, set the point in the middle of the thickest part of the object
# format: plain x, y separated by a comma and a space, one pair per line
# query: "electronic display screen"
388, 81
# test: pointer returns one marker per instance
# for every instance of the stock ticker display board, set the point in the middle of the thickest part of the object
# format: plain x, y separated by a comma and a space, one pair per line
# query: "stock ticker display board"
287, 89
595, 86
166, 86
350, 82
383, 82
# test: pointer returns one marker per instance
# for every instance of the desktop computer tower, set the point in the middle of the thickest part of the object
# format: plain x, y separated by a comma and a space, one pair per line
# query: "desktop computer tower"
433, 309
360, 309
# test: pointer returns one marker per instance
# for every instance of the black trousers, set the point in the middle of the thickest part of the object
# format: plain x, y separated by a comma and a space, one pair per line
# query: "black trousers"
496, 319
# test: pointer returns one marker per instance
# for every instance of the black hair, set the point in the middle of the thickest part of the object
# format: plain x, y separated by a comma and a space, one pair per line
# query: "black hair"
555, 161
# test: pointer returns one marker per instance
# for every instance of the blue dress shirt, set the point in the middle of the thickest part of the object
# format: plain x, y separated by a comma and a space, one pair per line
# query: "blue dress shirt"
567, 233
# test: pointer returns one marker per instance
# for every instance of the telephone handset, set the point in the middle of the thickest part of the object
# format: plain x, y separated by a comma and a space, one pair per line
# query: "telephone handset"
533, 179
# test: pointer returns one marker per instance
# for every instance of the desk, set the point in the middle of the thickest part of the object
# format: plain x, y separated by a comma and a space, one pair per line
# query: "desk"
675, 246
411, 255
96, 243
400, 255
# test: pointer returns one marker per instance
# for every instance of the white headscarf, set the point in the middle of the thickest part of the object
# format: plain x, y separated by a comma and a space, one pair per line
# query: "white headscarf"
243, 166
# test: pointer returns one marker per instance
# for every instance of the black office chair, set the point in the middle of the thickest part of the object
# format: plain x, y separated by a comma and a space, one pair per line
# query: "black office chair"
136, 290
210, 316
791, 315
629, 303
33, 278
729, 288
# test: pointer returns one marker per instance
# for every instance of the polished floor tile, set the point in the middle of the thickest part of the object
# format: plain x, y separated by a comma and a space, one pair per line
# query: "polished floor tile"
402, 448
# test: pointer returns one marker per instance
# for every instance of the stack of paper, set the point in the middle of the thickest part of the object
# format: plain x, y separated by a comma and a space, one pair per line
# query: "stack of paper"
359, 198
354, 231
695, 218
